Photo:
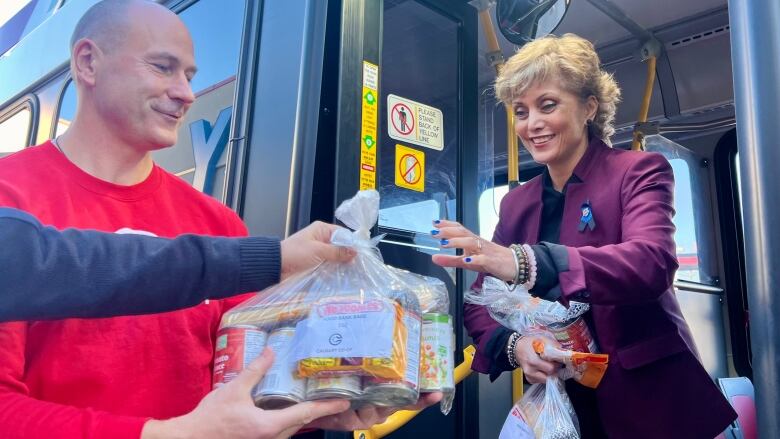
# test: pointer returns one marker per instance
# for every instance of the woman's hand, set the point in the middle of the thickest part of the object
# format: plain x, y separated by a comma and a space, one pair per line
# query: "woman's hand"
478, 254
535, 369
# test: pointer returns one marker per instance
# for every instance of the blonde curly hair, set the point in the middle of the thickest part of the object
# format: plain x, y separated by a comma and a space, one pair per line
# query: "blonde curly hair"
573, 61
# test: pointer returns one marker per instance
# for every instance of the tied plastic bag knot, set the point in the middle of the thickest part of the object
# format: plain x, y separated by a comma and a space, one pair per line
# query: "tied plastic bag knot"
360, 214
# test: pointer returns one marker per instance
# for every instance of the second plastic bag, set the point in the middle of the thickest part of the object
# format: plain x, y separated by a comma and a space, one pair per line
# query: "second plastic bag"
544, 412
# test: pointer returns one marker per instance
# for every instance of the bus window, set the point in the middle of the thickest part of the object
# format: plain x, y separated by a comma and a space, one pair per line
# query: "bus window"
489, 204
685, 235
419, 91
15, 131
694, 235
67, 110
20, 17
199, 155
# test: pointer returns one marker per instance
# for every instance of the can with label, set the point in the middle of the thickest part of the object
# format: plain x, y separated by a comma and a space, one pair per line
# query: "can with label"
280, 387
335, 387
236, 347
438, 357
406, 391
574, 335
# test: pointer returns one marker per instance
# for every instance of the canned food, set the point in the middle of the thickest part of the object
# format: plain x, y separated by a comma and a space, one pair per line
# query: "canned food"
574, 335
344, 386
280, 387
236, 347
398, 393
437, 353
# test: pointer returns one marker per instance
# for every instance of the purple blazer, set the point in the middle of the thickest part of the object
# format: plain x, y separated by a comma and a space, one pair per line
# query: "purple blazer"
655, 385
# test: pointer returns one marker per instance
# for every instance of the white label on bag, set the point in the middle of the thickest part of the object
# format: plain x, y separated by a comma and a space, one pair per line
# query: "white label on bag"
515, 426
347, 329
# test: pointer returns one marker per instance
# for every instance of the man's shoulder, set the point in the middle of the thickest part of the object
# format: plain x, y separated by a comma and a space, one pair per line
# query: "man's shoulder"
196, 200
25, 158
27, 169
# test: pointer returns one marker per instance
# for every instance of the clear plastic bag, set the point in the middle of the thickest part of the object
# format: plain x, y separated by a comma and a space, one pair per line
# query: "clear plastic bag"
546, 410
341, 330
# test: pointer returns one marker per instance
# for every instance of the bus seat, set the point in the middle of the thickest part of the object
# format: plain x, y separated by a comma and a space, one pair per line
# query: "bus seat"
739, 391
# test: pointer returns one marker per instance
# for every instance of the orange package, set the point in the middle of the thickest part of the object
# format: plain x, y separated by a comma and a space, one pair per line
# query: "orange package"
586, 368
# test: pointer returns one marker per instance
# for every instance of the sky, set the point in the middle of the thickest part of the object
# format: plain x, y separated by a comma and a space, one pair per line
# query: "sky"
9, 8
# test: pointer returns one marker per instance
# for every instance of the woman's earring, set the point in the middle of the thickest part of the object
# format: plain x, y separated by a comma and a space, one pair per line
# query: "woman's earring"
589, 122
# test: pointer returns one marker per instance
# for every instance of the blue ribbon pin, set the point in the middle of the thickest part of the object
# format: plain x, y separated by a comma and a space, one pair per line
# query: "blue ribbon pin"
587, 217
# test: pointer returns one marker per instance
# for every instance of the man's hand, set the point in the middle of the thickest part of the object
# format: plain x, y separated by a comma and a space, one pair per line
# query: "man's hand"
230, 413
367, 417
309, 247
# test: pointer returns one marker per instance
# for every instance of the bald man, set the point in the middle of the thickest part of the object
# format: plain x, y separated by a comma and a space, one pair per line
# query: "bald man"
128, 377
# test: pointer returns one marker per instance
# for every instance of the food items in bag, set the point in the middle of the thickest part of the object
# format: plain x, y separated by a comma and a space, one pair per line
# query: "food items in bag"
280, 387
343, 386
431, 293
549, 411
348, 325
237, 346
586, 368
398, 393
437, 372
573, 335
348, 329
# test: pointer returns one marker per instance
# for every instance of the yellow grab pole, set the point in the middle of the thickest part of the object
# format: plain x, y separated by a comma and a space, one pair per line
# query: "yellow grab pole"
511, 144
636, 145
512, 159
517, 385
490, 35
400, 418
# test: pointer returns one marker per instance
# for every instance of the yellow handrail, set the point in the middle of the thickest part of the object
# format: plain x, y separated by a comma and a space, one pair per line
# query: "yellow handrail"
636, 144
517, 385
513, 167
400, 418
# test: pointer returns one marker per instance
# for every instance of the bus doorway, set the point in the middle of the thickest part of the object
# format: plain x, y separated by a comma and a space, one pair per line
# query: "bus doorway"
409, 69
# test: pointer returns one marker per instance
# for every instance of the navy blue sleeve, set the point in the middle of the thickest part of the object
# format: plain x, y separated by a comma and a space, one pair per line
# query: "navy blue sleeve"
51, 274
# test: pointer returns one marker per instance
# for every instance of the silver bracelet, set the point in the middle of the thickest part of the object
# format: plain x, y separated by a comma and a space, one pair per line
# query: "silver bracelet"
514, 283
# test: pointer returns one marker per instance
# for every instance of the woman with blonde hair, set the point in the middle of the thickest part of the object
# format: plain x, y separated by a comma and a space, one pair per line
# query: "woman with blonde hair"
595, 227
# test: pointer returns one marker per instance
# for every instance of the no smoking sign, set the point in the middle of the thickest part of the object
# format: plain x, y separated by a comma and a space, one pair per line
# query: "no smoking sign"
409, 168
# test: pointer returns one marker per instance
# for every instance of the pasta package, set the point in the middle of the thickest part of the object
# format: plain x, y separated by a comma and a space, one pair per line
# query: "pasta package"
348, 309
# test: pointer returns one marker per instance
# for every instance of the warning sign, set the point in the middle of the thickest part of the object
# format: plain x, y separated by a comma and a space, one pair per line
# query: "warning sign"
409, 168
368, 126
414, 122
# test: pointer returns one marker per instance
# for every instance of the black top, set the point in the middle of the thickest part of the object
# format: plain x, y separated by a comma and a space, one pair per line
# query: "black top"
51, 274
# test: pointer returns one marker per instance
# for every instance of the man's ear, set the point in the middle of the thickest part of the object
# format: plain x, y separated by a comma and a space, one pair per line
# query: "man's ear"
84, 61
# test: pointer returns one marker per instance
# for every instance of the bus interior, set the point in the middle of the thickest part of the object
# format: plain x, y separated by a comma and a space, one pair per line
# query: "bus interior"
297, 109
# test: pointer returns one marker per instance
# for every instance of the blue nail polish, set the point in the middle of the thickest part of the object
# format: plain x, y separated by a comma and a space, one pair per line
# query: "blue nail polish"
434, 232
468, 260
444, 242
437, 222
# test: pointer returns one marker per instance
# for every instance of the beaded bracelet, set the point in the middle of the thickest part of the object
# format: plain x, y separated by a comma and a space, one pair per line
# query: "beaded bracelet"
531, 257
510, 349
521, 273
522, 269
